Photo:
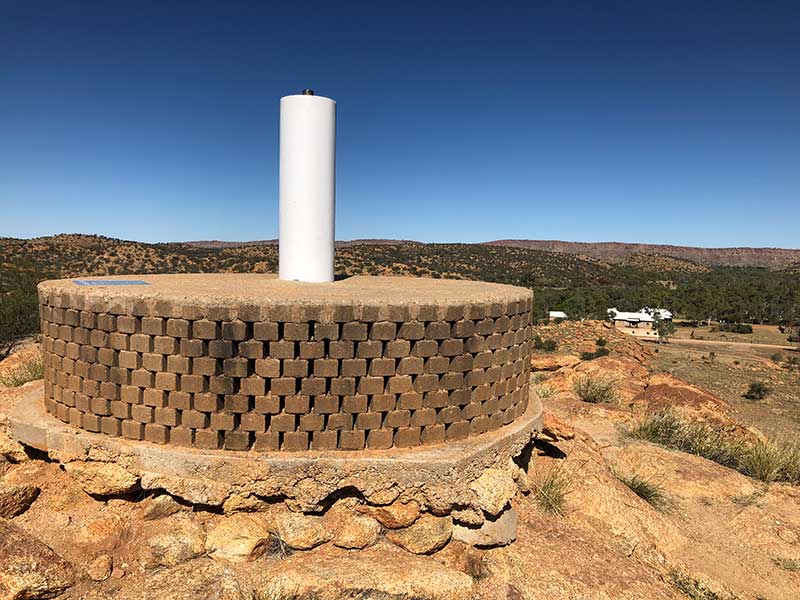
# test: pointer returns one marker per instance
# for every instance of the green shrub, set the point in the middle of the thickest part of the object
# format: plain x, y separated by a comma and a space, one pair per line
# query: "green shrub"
595, 389
758, 390
544, 345
19, 317
601, 342
736, 327
777, 357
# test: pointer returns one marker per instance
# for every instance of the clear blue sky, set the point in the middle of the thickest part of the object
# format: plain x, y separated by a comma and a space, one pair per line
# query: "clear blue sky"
661, 122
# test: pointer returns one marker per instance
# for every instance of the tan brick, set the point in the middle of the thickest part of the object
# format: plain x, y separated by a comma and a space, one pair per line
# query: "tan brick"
313, 386
425, 382
167, 417
343, 386
222, 421
120, 409
296, 331
142, 414
326, 404
235, 367
382, 330
163, 344
341, 349
369, 349
295, 441
437, 364
283, 386
397, 418
141, 342
352, 440
410, 365
153, 362
118, 341
166, 381
312, 349
399, 384
407, 437
205, 330
435, 399
282, 349
106, 322
425, 348
398, 348
237, 440
353, 367
253, 422
265, 331
97, 338
130, 360
154, 397
297, 404
236, 403
340, 422
380, 439
179, 400
355, 404
268, 367
142, 378
283, 422
194, 419
409, 401
234, 330
220, 348
433, 434
268, 404
371, 385
295, 367
368, 420
208, 439
457, 431
267, 442
133, 430
178, 328
251, 349
181, 436
324, 440
107, 357
326, 331
382, 402
253, 386
193, 383
411, 330
451, 347
354, 331
312, 422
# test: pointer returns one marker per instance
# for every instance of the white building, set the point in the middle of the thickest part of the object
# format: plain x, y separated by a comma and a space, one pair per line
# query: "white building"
557, 314
643, 318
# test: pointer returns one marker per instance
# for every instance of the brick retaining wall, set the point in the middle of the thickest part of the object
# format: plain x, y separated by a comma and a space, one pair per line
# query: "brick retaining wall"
217, 377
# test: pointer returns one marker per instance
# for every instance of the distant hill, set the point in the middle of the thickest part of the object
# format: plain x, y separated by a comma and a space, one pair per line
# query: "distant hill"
774, 258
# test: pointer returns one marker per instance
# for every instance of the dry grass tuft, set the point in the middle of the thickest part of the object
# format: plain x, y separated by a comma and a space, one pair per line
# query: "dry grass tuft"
646, 489
550, 490
30, 370
596, 389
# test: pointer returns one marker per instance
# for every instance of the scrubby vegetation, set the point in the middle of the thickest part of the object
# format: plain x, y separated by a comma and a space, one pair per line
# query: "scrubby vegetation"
30, 370
550, 489
758, 390
764, 460
544, 345
646, 489
595, 389
736, 327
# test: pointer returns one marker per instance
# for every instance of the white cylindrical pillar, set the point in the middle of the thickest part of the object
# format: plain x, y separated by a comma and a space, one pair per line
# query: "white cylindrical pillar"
307, 188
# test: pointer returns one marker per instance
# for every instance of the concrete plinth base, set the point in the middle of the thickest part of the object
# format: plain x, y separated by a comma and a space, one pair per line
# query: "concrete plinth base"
440, 478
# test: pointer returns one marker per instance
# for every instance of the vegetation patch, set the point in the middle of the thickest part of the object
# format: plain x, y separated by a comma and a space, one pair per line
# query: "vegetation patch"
30, 370
544, 345
596, 389
787, 564
550, 490
758, 390
764, 460
646, 489
736, 327
692, 588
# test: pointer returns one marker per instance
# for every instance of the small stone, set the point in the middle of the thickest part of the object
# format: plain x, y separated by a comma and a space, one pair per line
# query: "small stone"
428, 534
301, 532
194, 491
468, 516
181, 539
498, 532
239, 537
355, 531
393, 516
102, 479
493, 490
29, 568
11, 450
16, 499
100, 568
159, 507
383, 497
